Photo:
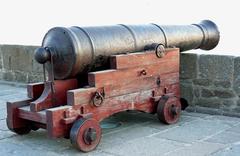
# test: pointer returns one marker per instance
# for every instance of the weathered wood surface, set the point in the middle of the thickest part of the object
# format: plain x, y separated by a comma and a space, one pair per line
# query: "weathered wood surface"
140, 59
35, 90
13, 119
52, 97
135, 81
26, 113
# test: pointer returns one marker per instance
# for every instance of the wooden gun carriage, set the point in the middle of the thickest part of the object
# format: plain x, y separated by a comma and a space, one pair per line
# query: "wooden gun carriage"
145, 80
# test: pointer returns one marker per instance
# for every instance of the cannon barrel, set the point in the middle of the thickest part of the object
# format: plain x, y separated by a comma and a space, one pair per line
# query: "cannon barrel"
75, 49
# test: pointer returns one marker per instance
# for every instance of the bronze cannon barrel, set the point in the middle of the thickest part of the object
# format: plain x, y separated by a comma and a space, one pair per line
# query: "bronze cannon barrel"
74, 49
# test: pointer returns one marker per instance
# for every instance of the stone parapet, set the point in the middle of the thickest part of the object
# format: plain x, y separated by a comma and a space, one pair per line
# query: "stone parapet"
17, 64
211, 83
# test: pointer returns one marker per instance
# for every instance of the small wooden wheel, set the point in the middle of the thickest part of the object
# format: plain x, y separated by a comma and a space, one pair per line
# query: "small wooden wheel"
168, 110
85, 134
20, 130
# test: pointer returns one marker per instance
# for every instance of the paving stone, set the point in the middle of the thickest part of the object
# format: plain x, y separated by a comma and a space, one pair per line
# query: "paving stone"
3, 125
14, 97
10, 148
127, 119
6, 134
72, 152
11, 87
194, 131
225, 137
127, 134
2, 105
8, 92
163, 127
230, 151
115, 123
231, 121
235, 129
150, 120
141, 147
194, 114
3, 114
197, 149
39, 139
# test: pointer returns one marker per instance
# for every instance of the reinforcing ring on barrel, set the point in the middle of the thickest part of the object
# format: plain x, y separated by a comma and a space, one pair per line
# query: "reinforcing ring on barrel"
98, 99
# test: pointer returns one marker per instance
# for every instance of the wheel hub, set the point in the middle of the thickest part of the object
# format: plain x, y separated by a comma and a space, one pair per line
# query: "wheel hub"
174, 110
90, 135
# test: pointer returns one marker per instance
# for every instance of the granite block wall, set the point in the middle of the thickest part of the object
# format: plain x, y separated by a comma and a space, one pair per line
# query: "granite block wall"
17, 64
211, 83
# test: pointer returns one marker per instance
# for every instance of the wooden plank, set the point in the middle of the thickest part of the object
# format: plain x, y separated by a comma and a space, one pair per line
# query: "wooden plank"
58, 98
81, 96
141, 59
141, 84
55, 127
109, 77
35, 90
25, 113
141, 101
13, 119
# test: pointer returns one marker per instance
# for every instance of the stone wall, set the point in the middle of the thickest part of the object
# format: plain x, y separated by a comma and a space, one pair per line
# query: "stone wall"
210, 83
17, 64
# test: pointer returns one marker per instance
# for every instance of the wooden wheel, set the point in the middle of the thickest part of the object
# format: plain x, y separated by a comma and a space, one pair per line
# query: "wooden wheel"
168, 110
85, 134
20, 130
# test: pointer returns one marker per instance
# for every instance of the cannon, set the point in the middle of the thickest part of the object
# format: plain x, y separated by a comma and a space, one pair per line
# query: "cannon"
76, 49
95, 72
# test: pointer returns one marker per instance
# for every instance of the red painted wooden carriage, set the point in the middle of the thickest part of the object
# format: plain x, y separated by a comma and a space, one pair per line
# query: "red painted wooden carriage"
137, 81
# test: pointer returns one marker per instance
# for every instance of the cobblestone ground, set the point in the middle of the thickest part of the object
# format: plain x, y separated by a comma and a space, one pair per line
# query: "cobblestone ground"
139, 134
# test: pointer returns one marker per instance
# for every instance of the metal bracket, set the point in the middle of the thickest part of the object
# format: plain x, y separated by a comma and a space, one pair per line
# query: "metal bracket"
51, 52
98, 98
158, 48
